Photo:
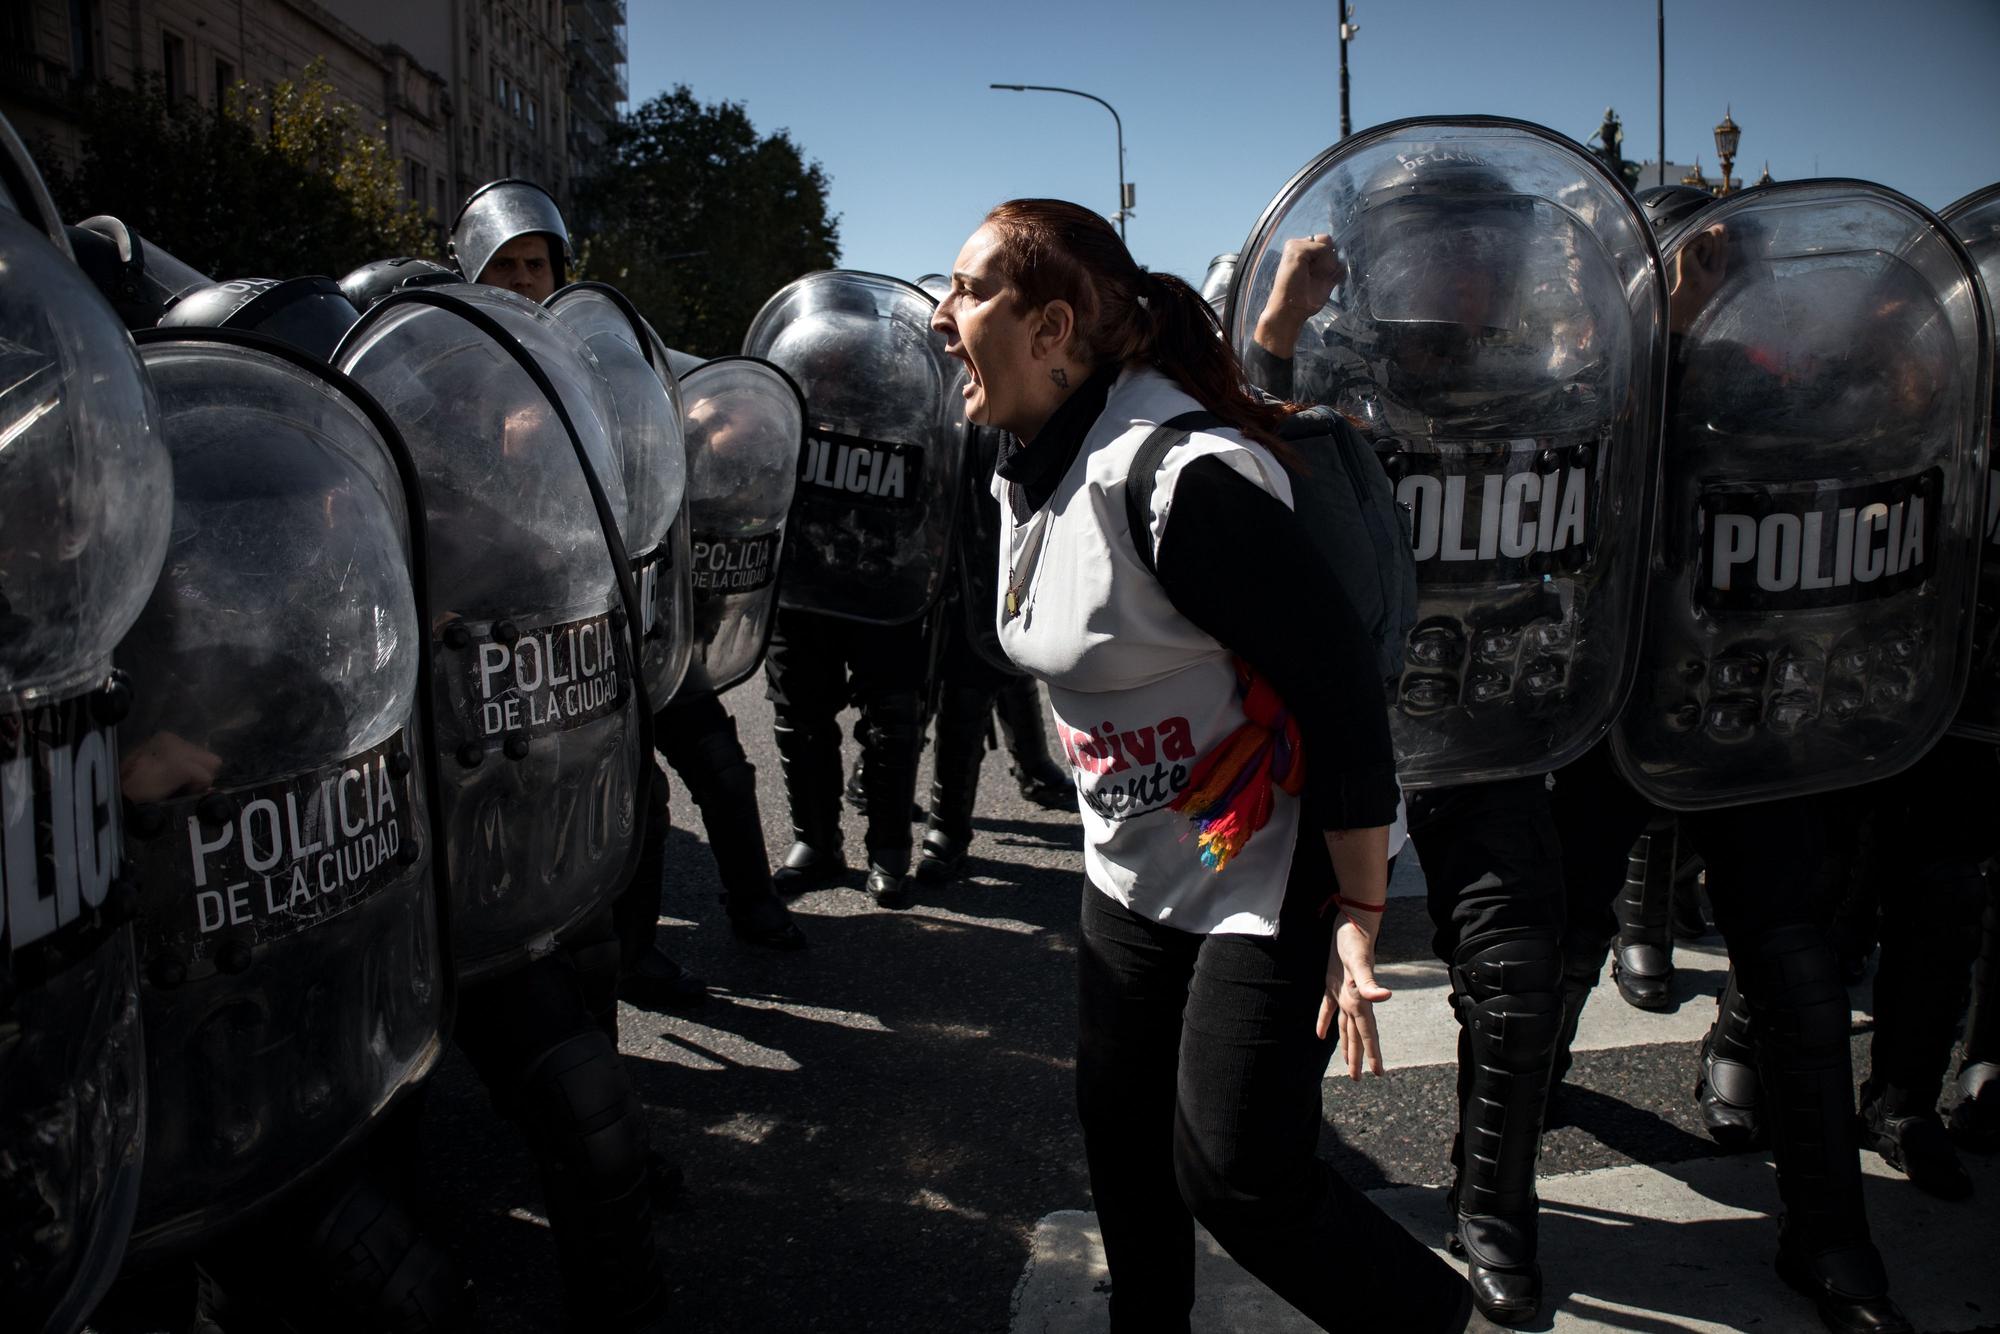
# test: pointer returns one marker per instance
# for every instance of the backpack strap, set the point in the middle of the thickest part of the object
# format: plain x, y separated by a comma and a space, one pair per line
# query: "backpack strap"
1144, 478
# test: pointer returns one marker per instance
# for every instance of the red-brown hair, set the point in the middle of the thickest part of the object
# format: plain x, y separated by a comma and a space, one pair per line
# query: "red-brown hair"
1052, 250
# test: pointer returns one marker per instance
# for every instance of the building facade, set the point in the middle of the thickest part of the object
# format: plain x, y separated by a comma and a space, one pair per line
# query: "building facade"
465, 90
595, 32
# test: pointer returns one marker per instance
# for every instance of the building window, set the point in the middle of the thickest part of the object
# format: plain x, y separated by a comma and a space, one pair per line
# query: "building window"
83, 39
225, 79
415, 170
517, 101
499, 87
531, 113
173, 64
443, 195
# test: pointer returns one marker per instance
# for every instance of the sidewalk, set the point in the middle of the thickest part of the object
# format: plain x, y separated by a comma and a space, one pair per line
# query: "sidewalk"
1685, 1246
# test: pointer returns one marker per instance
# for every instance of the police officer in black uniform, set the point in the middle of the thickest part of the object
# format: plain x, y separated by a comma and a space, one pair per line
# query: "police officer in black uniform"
865, 559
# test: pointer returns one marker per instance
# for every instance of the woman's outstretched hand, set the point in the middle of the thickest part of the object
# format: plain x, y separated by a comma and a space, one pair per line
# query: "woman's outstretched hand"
1352, 994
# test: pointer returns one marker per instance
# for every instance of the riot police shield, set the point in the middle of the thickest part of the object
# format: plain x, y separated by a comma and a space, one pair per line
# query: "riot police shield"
310, 314
293, 983
648, 435
541, 719
878, 482
85, 499
499, 212
1499, 334
1822, 487
1975, 219
745, 431
935, 285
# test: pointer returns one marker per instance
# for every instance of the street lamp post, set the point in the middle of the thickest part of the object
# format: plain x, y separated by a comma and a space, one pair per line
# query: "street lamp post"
1726, 135
1127, 195
1349, 29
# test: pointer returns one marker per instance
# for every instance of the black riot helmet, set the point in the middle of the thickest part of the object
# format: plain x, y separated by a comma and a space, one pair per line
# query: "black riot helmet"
499, 212
1667, 206
311, 314
377, 278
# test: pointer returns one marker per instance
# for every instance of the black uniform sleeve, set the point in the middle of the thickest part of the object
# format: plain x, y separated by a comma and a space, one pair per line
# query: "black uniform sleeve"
1235, 561
1268, 371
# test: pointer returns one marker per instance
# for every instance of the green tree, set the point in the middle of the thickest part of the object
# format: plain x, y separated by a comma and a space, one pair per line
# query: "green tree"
267, 187
698, 219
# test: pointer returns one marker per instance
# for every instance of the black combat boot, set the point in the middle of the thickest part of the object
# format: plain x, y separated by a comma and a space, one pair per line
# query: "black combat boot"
1506, 986
1791, 978
1904, 1127
1975, 1122
1726, 1088
961, 747
894, 733
1643, 965
1018, 706
810, 755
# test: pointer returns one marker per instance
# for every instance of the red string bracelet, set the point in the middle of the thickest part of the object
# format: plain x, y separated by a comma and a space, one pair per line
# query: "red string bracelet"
1346, 902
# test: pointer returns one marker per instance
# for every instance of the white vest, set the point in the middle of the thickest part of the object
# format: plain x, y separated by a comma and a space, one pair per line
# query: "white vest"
1139, 692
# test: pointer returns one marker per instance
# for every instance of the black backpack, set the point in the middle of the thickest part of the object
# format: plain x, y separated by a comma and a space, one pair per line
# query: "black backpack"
1345, 501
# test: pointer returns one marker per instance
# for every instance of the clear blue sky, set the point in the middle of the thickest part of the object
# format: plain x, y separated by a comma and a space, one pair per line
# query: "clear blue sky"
1223, 102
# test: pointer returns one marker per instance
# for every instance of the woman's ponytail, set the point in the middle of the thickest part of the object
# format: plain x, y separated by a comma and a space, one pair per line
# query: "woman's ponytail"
1187, 345
1054, 250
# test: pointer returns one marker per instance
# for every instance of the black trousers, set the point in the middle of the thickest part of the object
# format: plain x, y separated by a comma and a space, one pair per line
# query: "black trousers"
818, 665
697, 738
544, 1041
815, 667
1935, 828
1491, 860
1198, 1085
1761, 858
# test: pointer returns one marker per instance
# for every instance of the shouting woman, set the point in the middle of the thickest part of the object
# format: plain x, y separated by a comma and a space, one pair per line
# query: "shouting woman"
1219, 701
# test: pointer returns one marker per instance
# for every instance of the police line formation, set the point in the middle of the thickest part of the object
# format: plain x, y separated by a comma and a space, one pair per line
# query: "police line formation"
343, 620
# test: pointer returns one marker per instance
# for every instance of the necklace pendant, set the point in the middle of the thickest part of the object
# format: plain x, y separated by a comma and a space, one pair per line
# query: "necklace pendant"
1013, 604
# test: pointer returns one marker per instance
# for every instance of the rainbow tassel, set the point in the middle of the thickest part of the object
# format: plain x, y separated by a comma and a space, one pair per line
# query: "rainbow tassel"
1229, 795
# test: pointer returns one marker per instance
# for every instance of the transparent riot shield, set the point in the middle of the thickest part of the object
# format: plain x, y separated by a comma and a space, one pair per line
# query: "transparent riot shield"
745, 428
1976, 221
1499, 334
542, 721
646, 399
1821, 498
85, 500
294, 986
878, 481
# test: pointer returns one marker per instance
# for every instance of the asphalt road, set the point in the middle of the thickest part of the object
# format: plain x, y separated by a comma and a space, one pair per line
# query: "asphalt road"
872, 1128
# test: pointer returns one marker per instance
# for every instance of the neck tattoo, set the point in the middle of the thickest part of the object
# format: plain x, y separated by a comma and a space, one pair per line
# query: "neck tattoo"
1061, 377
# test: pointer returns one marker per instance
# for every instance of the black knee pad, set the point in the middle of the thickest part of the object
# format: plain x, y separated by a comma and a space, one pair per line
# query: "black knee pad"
382, 1267
1791, 979
1507, 986
894, 718
585, 1117
710, 759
